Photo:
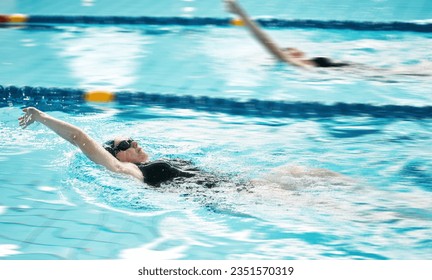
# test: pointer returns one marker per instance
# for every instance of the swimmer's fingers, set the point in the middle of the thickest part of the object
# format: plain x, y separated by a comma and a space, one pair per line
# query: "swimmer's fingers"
27, 119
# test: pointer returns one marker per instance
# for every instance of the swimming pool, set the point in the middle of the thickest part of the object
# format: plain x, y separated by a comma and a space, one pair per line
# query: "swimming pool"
240, 117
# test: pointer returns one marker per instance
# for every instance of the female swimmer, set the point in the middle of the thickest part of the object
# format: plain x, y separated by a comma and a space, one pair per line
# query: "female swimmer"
296, 57
124, 155
289, 55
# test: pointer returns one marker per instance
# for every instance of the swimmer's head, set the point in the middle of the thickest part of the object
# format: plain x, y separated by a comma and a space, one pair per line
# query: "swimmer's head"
322, 62
326, 62
126, 150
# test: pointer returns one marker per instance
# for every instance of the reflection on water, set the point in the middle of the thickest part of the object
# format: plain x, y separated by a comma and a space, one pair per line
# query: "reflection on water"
238, 60
102, 57
88, 3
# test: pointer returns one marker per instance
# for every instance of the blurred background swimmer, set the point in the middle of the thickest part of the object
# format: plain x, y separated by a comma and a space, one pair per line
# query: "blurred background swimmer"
289, 55
298, 58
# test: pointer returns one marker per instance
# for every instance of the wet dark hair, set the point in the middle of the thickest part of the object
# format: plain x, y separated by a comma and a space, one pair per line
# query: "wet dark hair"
326, 62
109, 146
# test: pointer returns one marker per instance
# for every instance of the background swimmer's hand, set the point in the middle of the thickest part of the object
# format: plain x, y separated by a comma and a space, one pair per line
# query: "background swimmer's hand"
29, 117
231, 6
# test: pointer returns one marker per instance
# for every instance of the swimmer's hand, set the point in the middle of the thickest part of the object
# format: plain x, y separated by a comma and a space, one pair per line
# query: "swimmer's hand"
231, 6
30, 116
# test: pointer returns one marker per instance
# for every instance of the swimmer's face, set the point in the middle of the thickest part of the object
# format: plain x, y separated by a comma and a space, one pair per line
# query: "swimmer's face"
293, 52
134, 153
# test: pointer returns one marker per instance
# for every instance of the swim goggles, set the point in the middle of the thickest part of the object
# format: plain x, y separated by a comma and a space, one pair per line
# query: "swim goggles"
123, 145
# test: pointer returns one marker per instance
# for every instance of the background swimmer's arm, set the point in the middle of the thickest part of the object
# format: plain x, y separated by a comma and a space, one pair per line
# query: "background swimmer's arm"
258, 33
76, 136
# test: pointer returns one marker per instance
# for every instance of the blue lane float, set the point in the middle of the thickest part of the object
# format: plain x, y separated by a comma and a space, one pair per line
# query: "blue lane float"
200, 21
63, 97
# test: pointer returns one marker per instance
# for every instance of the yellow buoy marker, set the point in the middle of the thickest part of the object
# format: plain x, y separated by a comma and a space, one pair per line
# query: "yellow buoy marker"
237, 22
18, 18
99, 96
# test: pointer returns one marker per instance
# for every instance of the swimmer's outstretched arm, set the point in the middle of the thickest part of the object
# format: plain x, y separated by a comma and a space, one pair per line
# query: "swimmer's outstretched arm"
260, 35
76, 136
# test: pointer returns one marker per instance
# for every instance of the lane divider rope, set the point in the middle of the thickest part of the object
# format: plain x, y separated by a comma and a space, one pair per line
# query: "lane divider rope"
40, 96
199, 21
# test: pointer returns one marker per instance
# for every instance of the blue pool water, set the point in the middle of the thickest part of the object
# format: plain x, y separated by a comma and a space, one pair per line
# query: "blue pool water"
57, 204
216, 62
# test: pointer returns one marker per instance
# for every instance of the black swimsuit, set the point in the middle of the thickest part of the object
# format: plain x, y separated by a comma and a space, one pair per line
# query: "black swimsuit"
162, 171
